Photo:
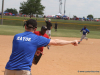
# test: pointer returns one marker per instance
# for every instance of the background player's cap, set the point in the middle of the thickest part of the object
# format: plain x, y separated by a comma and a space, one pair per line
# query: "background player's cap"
31, 23
49, 19
44, 27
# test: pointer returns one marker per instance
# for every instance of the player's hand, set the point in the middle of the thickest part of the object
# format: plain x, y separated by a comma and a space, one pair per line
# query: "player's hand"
48, 47
80, 32
75, 42
86, 33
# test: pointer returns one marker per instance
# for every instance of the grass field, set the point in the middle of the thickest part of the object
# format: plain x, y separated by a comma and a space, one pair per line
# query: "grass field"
12, 30
66, 28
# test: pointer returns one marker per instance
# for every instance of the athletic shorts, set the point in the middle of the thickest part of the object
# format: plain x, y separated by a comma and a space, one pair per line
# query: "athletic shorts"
17, 72
48, 32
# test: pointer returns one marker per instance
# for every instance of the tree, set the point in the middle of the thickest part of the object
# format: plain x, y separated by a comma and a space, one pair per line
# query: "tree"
74, 17
90, 16
13, 11
31, 7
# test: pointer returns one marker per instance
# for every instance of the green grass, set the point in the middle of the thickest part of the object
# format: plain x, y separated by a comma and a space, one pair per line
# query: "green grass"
66, 28
62, 24
12, 30
74, 33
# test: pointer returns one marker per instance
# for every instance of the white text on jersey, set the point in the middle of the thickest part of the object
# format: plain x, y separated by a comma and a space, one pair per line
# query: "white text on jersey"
23, 38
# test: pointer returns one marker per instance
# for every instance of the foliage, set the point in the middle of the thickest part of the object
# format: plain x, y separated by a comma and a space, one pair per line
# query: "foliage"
74, 16
90, 16
31, 7
13, 11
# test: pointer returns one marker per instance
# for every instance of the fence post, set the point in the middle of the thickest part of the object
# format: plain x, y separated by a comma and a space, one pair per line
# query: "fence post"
2, 12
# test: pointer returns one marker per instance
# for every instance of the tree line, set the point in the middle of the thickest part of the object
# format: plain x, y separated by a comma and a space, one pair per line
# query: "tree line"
31, 7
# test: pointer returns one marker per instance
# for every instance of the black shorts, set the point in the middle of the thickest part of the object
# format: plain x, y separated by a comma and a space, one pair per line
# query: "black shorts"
36, 59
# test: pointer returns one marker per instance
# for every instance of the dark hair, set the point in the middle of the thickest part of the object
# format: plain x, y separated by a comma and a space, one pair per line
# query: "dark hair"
44, 27
31, 24
84, 27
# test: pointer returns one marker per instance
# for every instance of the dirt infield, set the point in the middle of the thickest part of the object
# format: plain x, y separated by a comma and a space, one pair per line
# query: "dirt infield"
83, 59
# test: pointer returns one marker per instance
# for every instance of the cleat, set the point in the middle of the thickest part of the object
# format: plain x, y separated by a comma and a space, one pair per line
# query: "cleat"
78, 42
48, 47
86, 38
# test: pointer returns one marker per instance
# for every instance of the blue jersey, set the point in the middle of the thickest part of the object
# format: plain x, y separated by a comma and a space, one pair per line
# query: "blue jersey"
85, 31
23, 50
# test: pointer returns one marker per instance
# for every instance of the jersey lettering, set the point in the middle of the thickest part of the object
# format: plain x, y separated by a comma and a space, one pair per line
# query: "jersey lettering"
26, 39
23, 38
84, 30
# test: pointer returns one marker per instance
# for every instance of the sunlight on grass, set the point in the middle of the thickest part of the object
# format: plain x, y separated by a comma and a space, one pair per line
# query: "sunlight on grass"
12, 30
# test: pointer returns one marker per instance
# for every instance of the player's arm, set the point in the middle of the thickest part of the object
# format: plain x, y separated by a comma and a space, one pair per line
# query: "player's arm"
62, 42
57, 42
51, 25
81, 31
88, 32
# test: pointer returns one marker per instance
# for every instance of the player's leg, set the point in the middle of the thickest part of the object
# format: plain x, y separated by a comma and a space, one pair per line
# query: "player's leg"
46, 31
55, 30
81, 39
49, 31
50, 38
85, 37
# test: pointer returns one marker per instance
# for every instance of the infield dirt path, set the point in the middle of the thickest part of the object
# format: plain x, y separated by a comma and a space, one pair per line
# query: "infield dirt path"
60, 60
